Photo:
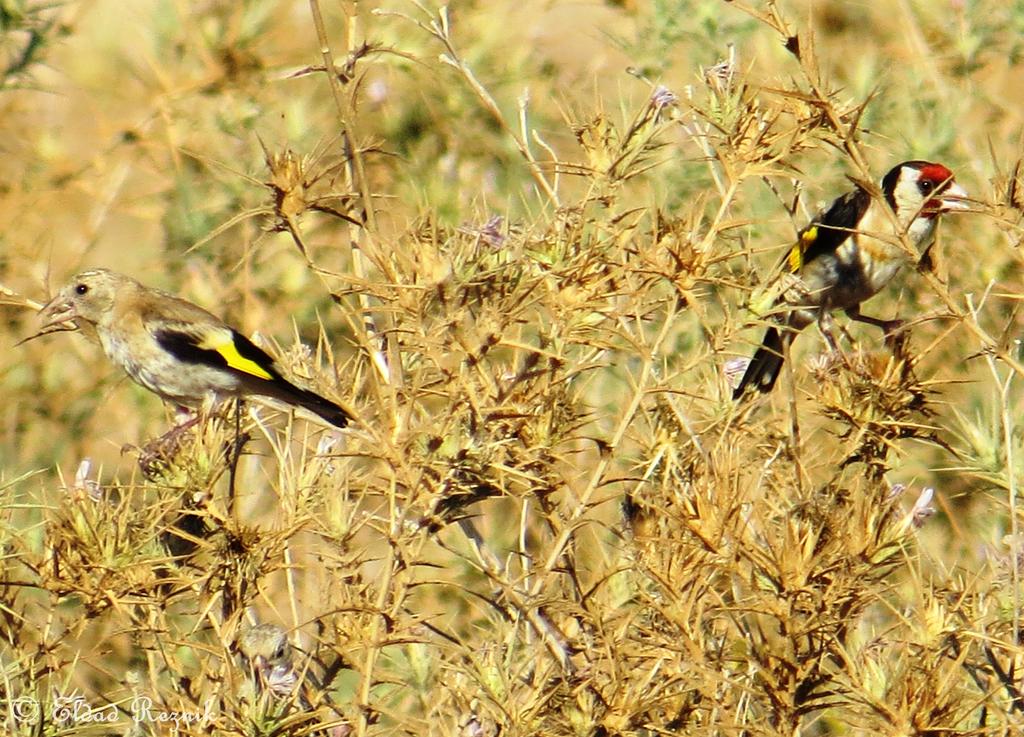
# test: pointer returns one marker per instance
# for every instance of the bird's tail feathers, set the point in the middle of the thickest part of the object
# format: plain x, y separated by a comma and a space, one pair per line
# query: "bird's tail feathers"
763, 369
323, 408
285, 391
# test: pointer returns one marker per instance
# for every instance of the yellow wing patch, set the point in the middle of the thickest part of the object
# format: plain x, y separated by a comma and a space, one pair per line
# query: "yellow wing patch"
795, 258
224, 344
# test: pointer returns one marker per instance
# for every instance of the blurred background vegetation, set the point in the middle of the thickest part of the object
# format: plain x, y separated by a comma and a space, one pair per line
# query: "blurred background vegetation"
518, 239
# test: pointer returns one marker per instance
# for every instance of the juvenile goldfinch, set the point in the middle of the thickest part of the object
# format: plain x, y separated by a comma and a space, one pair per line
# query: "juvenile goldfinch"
282, 672
266, 649
847, 254
172, 347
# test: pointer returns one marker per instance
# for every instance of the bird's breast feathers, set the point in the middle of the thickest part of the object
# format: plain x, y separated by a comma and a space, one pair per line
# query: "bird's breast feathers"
165, 370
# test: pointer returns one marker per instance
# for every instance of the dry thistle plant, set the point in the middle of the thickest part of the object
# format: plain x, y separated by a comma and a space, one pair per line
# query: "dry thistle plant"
549, 517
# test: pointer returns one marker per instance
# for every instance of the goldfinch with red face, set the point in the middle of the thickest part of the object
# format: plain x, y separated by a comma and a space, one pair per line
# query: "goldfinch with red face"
848, 253
172, 347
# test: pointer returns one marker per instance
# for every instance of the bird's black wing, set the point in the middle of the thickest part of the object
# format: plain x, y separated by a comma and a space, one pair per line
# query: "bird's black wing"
828, 230
217, 346
221, 347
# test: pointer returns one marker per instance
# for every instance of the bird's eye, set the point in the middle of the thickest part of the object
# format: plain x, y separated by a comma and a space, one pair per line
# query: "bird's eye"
926, 186
81, 289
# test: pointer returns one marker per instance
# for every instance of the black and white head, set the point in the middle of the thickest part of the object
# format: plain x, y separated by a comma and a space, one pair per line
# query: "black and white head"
922, 189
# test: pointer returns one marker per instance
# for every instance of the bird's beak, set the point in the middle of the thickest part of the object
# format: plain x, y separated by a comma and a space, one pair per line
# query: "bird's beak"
58, 314
954, 197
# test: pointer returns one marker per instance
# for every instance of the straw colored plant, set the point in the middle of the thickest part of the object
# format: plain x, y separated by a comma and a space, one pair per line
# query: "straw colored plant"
525, 242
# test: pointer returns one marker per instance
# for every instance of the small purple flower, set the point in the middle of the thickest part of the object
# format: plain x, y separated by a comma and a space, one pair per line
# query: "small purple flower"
733, 369
490, 232
84, 485
663, 97
922, 508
